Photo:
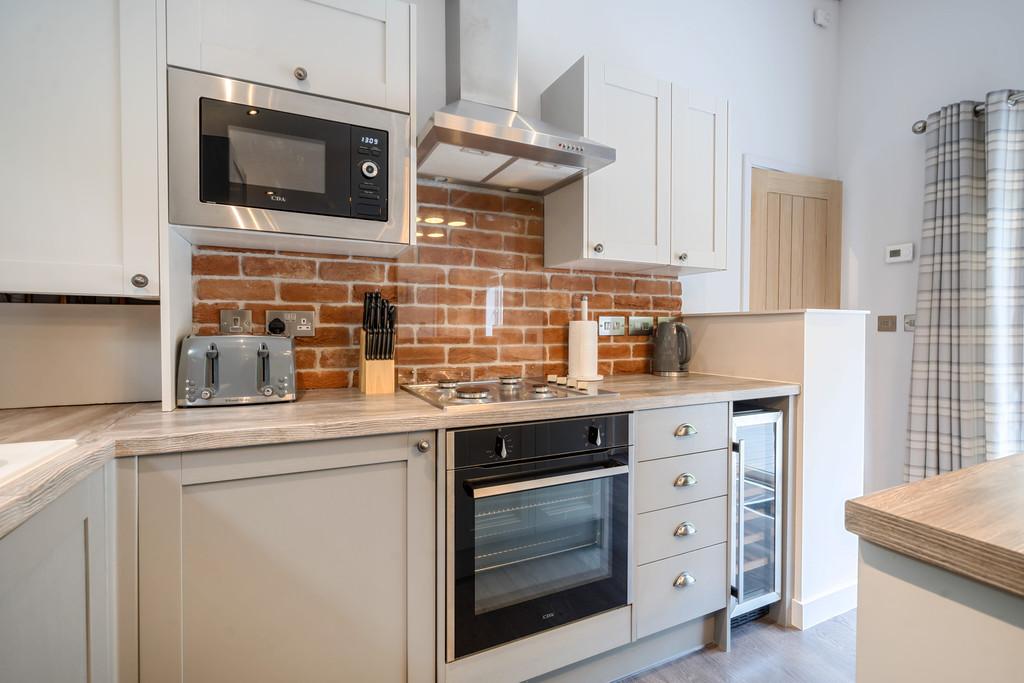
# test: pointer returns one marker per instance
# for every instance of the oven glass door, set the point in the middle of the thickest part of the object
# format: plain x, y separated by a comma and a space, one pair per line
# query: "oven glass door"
267, 159
537, 545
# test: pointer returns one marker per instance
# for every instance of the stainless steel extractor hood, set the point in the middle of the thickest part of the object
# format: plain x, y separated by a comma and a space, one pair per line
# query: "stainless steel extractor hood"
480, 137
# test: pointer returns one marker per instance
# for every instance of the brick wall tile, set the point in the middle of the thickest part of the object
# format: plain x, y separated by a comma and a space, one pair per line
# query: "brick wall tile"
235, 290
501, 223
352, 271
579, 283
284, 268
444, 256
498, 260
416, 274
477, 201
432, 194
531, 207
294, 291
214, 264
465, 355
474, 239
472, 278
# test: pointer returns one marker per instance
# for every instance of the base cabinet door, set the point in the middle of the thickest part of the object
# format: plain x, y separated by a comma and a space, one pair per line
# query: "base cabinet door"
300, 562
54, 607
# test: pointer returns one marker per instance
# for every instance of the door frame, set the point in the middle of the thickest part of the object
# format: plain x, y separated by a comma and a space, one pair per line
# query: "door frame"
750, 162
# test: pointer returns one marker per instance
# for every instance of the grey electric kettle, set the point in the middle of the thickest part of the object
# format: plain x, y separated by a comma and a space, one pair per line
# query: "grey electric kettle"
672, 349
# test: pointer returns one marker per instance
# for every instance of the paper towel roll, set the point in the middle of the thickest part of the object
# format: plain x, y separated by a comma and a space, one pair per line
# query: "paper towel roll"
583, 350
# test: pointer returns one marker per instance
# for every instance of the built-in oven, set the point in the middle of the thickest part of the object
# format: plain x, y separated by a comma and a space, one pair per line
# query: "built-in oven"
248, 156
537, 527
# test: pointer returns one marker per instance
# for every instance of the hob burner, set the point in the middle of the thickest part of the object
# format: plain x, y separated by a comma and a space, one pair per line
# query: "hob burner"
541, 389
472, 393
510, 380
446, 384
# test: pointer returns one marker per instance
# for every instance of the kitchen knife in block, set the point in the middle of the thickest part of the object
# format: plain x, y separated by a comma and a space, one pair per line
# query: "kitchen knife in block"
375, 376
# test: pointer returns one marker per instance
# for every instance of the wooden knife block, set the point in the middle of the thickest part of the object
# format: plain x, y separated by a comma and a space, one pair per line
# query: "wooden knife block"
375, 376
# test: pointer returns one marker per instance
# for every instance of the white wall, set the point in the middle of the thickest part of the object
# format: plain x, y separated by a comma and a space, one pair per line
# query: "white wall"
898, 61
768, 58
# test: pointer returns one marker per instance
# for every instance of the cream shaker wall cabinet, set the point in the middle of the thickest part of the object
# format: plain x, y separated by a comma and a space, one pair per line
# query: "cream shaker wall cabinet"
661, 206
355, 50
80, 170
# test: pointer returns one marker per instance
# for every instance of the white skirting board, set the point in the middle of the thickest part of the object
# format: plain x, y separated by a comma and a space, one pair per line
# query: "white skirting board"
73, 354
816, 609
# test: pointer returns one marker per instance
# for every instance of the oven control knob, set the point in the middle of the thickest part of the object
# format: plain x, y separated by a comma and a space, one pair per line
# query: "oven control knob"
594, 435
370, 169
501, 447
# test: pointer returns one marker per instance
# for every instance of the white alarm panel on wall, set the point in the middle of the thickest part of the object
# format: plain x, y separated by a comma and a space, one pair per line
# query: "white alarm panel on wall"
353, 50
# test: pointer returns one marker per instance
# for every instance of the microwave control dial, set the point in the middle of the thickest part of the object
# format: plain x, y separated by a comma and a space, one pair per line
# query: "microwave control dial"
370, 169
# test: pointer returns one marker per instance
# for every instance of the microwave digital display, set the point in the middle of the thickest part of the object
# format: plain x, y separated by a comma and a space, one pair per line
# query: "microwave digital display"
263, 158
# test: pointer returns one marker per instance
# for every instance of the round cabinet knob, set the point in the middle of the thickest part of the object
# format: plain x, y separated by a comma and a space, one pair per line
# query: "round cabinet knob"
300, 73
685, 479
683, 256
683, 580
598, 248
206, 394
370, 169
423, 446
268, 391
685, 529
139, 280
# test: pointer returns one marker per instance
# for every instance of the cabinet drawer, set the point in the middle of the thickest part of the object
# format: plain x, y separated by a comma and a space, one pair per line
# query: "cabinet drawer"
656, 480
660, 603
699, 428
662, 533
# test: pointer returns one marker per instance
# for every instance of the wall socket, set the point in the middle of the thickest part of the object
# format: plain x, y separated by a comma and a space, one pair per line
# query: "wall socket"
909, 322
291, 323
611, 325
641, 325
886, 323
235, 321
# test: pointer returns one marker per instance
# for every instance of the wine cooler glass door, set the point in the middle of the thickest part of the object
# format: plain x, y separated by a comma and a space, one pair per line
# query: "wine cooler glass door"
757, 451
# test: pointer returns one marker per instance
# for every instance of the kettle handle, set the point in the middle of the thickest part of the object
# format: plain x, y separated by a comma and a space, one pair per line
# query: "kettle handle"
684, 348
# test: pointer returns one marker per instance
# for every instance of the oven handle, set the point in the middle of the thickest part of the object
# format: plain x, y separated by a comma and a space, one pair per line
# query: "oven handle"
544, 482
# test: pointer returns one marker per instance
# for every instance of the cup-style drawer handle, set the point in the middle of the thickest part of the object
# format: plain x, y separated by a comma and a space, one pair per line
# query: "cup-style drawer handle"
685, 529
685, 429
685, 479
683, 580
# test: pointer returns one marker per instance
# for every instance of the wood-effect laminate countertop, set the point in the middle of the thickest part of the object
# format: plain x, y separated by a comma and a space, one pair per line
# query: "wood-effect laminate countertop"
122, 430
969, 522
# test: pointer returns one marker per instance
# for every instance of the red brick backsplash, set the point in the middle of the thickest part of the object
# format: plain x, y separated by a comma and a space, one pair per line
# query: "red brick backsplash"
444, 289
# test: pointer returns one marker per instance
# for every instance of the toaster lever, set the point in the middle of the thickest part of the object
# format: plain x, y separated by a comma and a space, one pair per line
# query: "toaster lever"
263, 367
212, 371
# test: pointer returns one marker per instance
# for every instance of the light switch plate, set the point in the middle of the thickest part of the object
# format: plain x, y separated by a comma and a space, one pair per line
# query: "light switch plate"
611, 325
235, 321
909, 322
641, 324
291, 323
886, 323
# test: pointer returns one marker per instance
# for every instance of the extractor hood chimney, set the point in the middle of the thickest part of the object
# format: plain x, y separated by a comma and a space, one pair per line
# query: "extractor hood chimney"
479, 138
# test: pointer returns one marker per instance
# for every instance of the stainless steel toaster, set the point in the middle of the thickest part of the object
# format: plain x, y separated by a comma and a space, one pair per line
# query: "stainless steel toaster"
230, 369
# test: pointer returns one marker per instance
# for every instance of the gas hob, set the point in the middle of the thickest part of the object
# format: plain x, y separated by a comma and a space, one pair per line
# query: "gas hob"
449, 393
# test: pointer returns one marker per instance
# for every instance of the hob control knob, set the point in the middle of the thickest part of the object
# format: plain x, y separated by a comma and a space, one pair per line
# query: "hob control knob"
370, 169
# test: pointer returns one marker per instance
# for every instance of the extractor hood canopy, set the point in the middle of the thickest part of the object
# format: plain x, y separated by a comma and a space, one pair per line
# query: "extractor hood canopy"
480, 138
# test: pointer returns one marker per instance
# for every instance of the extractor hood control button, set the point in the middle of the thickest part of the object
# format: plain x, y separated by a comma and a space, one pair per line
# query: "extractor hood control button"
370, 169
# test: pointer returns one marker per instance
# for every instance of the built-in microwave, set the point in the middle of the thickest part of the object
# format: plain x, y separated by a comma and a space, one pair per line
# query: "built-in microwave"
251, 157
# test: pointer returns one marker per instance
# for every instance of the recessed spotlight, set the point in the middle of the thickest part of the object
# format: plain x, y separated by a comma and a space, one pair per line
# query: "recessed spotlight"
253, 112
456, 224
433, 220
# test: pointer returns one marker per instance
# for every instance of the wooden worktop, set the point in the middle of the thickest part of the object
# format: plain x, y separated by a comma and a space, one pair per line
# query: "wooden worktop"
970, 522
107, 431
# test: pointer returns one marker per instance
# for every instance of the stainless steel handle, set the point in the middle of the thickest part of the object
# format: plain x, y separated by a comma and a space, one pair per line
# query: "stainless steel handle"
685, 479
683, 256
423, 446
139, 280
683, 580
685, 529
300, 73
598, 248
739, 447
543, 482
685, 429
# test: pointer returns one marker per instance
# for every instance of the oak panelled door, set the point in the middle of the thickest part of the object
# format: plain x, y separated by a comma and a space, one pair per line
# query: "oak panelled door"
796, 240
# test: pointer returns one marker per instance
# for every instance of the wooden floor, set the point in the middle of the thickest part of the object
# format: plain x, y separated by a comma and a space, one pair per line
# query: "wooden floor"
765, 652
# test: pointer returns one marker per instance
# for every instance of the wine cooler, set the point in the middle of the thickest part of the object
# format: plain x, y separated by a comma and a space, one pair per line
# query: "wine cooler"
757, 488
